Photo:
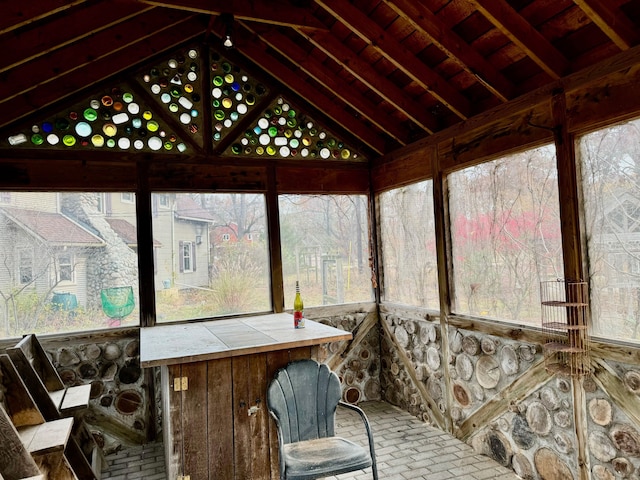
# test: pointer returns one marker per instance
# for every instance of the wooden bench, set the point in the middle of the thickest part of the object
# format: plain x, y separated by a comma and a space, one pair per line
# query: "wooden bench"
54, 400
42, 380
31, 447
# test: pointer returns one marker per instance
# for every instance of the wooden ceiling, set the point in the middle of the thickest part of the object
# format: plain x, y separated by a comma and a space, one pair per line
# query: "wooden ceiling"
387, 72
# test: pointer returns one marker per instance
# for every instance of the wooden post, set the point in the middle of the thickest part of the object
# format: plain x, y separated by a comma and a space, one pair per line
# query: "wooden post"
569, 195
445, 281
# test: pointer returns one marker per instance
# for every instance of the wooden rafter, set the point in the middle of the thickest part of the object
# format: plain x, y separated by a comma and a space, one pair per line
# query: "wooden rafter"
454, 47
611, 21
77, 25
71, 79
523, 34
385, 88
403, 59
256, 50
349, 94
18, 14
274, 13
77, 56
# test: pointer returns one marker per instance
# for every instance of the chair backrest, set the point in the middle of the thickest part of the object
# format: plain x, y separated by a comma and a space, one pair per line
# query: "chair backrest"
303, 397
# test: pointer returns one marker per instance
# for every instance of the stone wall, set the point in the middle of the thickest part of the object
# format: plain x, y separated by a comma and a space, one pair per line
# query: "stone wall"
494, 392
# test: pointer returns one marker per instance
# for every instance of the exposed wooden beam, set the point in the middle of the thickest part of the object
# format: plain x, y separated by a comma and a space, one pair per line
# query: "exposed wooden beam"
93, 70
385, 88
349, 94
256, 51
81, 55
611, 21
403, 59
622, 61
453, 46
274, 13
523, 34
27, 44
18, 14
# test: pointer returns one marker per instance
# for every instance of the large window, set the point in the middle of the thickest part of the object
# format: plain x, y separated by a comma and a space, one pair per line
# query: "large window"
206, 263
611, 179
60, 253
408, 245
325, 246
505, 233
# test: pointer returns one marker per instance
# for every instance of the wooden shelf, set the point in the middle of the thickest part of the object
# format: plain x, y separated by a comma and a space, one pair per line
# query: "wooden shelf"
563, 326
562, 347
560, 303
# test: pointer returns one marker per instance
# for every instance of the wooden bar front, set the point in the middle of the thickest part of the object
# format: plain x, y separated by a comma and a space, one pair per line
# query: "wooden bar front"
214, 382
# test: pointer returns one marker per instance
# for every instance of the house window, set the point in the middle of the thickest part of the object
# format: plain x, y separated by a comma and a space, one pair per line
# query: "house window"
609, 166
163, 200
249, 236
65, 267
505, 235
127, 197
226, 237
5, 197
325, 246
25, 265
187, 257
101, 204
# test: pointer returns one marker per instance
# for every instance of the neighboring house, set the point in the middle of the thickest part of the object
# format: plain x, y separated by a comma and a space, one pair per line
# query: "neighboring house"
223, 234
43, 251
78, 244
180, 221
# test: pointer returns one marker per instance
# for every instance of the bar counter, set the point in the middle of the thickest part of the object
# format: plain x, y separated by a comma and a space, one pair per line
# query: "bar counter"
214, 377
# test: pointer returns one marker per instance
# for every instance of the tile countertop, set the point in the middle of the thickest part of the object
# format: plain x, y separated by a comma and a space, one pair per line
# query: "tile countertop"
194, 342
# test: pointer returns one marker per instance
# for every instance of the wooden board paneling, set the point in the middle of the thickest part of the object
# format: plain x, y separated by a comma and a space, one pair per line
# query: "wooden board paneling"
219, 420
172, 421
321, 180
241, 421
194, 411
207, 177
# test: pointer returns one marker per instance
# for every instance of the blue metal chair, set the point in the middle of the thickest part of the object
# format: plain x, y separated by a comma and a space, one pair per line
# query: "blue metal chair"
302, 398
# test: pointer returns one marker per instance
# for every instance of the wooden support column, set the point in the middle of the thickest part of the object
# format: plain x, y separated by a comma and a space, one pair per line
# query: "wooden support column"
146, 284
569, 195
275, 251
445, 281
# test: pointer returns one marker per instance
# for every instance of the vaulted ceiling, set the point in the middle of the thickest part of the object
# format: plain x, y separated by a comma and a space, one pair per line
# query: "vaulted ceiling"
384, 72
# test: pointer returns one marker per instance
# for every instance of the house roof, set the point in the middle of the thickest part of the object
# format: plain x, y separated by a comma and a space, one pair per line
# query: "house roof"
127, 232
384, 73
53, 228
188, 209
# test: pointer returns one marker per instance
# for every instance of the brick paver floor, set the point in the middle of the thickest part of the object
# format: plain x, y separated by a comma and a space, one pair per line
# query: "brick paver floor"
406, 449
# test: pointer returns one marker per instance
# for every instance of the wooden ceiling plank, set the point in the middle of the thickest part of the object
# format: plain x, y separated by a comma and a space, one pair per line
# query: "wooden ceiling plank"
18, 14
254, 49
331, 82
612, 22
75, 56
621, 61
385, 88
454, 47
403, 59
274, 13
523, 34
100, 69
26, 45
